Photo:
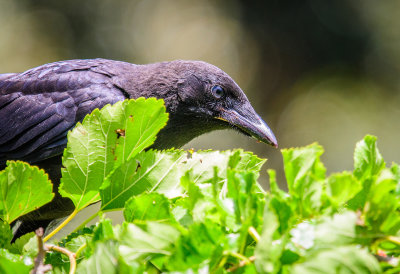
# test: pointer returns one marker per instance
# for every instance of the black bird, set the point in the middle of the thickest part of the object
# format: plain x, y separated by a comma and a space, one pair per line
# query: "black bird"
39, 106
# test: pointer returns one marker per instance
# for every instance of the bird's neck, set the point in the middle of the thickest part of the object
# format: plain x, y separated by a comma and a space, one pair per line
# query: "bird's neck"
152, 80
181, 129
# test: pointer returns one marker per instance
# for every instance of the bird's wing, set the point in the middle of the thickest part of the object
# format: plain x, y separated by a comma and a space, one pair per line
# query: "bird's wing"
39, 106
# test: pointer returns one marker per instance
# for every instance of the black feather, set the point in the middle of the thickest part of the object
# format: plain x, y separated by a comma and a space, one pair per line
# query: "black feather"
38, 107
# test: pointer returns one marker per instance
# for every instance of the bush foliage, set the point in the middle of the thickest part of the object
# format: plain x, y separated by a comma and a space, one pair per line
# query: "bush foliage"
189, 212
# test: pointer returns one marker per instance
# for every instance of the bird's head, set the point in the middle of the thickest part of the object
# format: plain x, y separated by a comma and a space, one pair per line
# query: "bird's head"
202, 98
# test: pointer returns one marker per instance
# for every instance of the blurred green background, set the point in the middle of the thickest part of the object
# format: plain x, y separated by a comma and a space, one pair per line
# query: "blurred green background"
324, 71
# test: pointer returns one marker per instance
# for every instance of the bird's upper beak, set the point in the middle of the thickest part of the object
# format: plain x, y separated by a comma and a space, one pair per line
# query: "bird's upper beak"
249, 122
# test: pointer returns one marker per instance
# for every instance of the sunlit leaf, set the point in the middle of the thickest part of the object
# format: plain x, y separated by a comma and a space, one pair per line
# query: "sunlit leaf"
305, 175
142, 120
103, 260
148, 206
23, 188
337, 230
152, 239
105, 139
5, 235
367, 159
267, 253
12, 263
149, 171
161, 171
202, 242
341, 187
343, 259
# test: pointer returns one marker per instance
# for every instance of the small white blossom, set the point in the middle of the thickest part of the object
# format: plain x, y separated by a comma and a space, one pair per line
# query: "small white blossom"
303, 235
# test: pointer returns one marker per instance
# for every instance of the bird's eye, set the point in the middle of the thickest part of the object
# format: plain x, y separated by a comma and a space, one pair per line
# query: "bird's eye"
217, 91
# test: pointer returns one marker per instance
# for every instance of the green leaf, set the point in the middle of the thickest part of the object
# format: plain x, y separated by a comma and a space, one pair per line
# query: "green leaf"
205, 202
395, 169
305, 175
23, 188
192, 190
18, 247
382, 213
280, 203
368, 162
301, 163
12, 263
337, 230
149, 171
31, 246
106, 138
202, 164
103, 231
341, 187
201, 242
242, 190
5, 235
390, 223
267, 253
143, 119
283, 211
89, 156
273, 185
149, 207
105, 259
146, 241
343, 259
241, 160
161, 171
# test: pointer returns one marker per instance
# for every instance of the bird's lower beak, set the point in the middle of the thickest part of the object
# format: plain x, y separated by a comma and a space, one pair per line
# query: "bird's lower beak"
250, 123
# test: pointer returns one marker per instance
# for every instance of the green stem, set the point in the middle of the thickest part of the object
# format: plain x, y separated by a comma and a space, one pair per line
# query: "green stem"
393, 239
78, 252
82, 225
240, 257
221, 262
61, 226
254, 234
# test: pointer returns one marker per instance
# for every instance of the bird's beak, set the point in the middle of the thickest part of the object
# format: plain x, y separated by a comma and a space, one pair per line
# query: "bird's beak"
248, 122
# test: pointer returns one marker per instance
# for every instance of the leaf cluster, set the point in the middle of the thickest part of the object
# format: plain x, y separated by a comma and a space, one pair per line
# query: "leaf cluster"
190, 212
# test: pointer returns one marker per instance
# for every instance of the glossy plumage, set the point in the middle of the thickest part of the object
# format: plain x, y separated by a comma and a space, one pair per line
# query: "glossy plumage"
38, 107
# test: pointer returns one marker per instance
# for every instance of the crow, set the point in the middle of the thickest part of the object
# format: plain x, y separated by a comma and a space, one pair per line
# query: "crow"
39, 106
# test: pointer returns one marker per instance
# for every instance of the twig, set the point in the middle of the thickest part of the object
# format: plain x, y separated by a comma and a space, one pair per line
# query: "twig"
40, 267
71, 256
242, 263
